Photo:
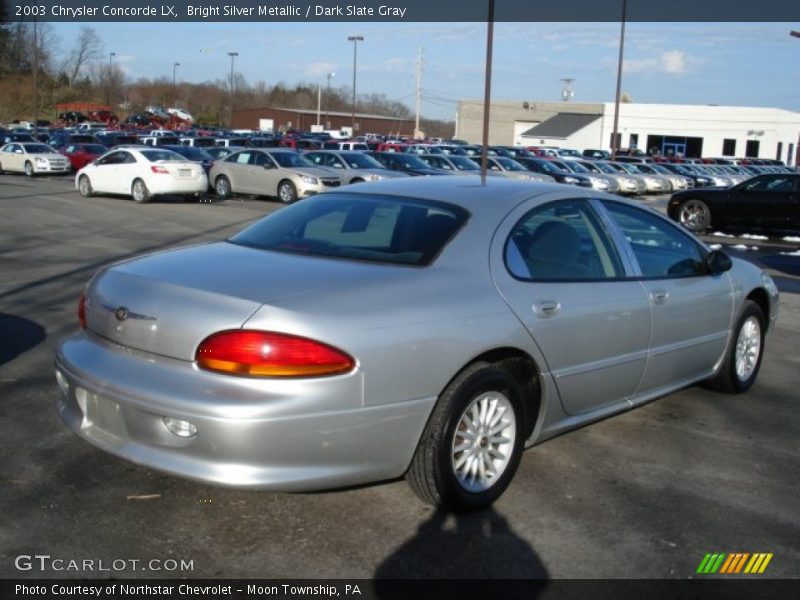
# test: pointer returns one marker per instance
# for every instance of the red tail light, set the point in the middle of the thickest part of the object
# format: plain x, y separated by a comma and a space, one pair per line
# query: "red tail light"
270, 354
161, 170
82, 311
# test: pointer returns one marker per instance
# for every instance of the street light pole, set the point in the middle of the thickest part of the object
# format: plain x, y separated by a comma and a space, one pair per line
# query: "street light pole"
233, 56
355, 39
111, 55
614, 134
328, 97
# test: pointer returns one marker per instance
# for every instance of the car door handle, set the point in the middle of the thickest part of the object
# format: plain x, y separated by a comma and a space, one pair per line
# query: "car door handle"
545, 309
659, 296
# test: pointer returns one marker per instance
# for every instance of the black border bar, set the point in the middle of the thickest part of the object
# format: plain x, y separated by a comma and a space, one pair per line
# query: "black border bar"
354, 11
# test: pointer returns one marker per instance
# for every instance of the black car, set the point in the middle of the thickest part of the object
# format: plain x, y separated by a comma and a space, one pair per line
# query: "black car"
403, 161
198, 155
767, 202
61, 139
546, 167
73, 117
109, 140
17, 137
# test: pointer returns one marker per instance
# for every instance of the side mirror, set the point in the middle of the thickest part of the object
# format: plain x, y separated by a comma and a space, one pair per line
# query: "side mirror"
269, 165
718, 262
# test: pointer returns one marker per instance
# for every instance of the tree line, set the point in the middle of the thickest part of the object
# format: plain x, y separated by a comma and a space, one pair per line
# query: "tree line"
83, 74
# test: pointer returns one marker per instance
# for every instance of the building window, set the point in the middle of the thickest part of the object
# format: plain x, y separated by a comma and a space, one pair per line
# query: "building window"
780, 151
751, 150
634, 141
728, 147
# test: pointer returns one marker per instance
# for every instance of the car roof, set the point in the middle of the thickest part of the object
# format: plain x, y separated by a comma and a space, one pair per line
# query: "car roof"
467, 192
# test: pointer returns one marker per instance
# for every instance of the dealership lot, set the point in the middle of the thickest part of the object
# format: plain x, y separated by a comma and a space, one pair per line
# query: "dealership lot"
646, 494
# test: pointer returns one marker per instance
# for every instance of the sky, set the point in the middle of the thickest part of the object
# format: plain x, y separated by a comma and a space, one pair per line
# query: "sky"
740, 64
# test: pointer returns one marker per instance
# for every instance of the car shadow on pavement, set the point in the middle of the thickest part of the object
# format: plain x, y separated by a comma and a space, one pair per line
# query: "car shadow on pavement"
461, 547
18, 335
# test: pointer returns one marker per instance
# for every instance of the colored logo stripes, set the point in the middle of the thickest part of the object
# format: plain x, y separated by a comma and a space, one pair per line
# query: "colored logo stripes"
737, 562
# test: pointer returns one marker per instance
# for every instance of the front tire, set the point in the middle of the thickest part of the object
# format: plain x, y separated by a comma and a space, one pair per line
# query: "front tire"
472, 444
139, 191
85, 186
287, 193
694, 215
743, 358
29, 169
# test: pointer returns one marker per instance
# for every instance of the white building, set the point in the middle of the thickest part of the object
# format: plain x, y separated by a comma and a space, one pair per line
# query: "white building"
669, 129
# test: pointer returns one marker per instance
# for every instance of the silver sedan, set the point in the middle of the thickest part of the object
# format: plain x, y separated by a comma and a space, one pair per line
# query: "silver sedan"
428, 328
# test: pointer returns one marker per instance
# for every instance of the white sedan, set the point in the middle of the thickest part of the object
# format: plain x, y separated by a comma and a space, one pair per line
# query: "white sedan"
31, 158
142, 172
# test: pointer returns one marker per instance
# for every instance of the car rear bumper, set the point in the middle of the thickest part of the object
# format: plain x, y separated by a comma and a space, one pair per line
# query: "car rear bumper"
297, 435
176, 185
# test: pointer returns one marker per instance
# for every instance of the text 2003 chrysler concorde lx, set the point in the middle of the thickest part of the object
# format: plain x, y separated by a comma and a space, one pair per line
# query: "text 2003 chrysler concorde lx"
431, 327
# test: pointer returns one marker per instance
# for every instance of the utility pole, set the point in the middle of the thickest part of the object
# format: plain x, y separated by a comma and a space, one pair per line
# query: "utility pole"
355, 39
35, 77
233, 56
615, 134
174, 82
419, 91
328, 99
487, 91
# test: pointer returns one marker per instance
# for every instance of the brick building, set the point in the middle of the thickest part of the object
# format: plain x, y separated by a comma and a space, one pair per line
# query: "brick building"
281, 119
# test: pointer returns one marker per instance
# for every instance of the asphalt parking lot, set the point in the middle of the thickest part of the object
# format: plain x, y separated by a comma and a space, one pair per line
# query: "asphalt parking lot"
644, 494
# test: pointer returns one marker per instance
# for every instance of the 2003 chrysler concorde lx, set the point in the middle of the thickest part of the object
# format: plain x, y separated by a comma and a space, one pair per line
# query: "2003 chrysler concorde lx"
411, 326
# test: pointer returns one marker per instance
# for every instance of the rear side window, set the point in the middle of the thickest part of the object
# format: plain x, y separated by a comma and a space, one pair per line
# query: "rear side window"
561, 241
379, 229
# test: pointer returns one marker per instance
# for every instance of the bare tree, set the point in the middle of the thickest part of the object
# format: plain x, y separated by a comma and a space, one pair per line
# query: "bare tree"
87, 48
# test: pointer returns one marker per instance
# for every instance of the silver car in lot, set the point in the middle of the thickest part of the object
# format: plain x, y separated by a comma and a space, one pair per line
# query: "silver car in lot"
600, 181
629, 183
426, 327
280, 173
654, 182
508, 167
352, 166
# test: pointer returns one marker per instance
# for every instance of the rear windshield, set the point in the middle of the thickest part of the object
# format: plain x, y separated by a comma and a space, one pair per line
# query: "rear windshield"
291, 159
156, 155
381, 229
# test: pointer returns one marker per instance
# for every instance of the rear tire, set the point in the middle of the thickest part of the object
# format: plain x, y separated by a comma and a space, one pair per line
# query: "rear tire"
472, 444
222, 186
694, 215
29, 168
743, 357
287, 193
139, 191
85, 186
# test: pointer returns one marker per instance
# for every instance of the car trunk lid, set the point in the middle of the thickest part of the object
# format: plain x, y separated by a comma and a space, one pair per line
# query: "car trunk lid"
168, 303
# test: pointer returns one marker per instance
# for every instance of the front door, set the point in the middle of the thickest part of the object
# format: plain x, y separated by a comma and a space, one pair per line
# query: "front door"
692, 310
558, 270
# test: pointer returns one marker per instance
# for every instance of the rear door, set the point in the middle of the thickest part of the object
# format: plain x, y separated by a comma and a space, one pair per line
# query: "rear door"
557, 268
692, 309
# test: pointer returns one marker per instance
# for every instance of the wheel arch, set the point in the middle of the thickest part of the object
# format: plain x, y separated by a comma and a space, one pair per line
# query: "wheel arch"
526, 372
760, 297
